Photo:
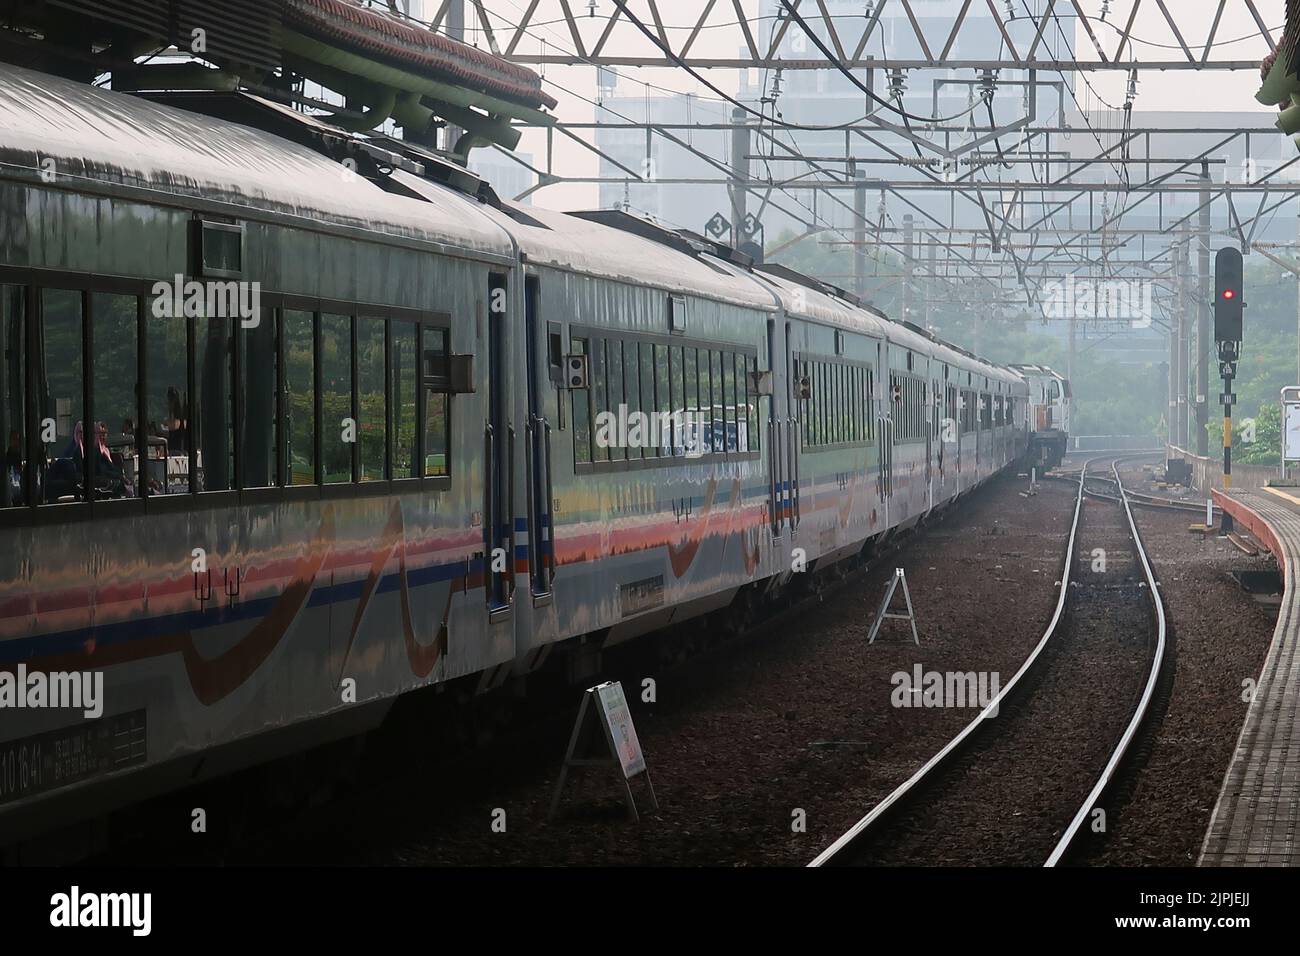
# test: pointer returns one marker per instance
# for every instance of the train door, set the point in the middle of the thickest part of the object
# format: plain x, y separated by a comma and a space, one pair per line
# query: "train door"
498, 458
933, 440
545, 360
885, 430
798, 388
776, 462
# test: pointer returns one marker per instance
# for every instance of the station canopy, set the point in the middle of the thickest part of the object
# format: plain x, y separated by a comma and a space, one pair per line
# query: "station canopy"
384, 66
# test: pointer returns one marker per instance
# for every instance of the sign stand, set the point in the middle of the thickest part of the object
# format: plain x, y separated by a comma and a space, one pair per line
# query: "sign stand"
604, 714
884, 612
1290, 427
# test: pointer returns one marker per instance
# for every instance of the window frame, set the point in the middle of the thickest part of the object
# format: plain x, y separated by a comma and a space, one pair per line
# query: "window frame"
705, 347
36, 513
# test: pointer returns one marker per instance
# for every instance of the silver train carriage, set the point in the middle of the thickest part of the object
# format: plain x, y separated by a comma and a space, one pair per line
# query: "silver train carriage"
298, 422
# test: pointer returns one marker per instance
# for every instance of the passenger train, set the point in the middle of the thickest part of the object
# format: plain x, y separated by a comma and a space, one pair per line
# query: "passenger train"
299, 421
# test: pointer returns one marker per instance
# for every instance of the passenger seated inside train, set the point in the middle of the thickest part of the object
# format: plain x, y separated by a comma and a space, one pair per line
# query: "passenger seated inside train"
65, 474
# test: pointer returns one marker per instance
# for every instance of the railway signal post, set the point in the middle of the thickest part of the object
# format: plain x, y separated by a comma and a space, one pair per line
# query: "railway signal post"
1229, 304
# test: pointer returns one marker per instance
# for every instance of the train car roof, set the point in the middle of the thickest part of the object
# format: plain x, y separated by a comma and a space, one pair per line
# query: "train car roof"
99, 138
583, 243
809, 302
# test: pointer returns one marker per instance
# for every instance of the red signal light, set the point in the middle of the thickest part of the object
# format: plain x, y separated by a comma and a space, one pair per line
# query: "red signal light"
1229, 294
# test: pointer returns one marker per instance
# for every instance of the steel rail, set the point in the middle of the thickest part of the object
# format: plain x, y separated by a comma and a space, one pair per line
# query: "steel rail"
871, 821
1143, 709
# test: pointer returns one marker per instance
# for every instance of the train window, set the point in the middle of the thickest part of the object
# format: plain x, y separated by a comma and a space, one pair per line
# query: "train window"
338, 422
372, 401
847, 375
716, 413
13, 395
631, 400
167, 406
663, 400
404, 375
831, 435
827, 399
852, 405
600, 394
116, 391
649, 403
676, 395
437, 405
823, 400
300, 396
724, 407
842, 432
616, 401
859, 404
857, 399
755, 434
259, 386
632, 396
214, 418
738, 397
868, 405
691, 404
60, 390
581, 398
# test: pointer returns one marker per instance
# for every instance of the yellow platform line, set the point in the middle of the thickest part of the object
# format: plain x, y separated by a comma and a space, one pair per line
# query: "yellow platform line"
1282, 494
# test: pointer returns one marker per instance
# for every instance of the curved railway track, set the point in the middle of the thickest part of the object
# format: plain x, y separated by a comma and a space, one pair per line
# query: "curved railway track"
1137, 498
1089, 618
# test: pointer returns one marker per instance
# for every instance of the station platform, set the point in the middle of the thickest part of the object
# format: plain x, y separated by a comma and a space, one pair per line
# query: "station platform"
1256, 821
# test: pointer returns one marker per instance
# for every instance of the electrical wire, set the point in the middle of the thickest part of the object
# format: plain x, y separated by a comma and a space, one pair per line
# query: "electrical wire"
839, 65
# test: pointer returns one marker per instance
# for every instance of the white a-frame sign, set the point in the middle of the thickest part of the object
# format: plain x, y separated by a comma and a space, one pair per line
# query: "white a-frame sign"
884, 612
604, 714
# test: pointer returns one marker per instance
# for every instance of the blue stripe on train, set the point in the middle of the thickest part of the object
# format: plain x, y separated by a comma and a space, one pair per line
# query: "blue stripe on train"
63, 642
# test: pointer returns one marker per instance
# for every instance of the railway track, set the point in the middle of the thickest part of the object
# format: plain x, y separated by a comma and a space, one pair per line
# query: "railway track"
1137, 498
1020, 783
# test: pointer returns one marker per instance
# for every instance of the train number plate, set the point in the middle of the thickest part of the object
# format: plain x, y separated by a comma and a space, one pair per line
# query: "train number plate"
58, 758
641, 596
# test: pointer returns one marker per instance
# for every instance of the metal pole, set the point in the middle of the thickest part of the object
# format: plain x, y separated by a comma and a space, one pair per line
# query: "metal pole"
739, 174
907, 268
1180, 322
1171, 417
456, 30
1074, 345
1203, 322
929, 285
860, 233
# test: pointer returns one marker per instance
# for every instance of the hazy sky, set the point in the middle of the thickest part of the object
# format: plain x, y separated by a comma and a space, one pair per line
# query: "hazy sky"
1171, 90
